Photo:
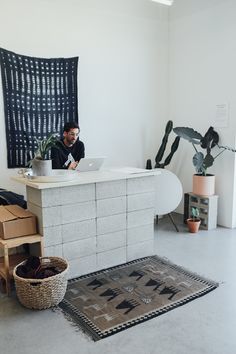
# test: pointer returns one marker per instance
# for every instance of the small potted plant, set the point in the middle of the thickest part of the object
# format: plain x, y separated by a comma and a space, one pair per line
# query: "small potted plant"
41, 164
194, 222
203, 183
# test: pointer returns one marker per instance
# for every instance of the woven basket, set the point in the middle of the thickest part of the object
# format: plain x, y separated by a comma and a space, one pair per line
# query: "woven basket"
42, 293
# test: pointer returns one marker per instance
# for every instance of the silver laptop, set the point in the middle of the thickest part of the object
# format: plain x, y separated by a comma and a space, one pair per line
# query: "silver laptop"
90, 164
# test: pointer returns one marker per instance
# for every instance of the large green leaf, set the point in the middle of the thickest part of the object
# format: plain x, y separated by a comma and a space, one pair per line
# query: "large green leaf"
188, 134
198, 162
208, 160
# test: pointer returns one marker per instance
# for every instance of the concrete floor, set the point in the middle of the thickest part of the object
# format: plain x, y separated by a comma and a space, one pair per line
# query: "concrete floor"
204, 326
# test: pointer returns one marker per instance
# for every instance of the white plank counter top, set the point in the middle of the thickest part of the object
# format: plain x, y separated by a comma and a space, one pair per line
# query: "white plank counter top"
88, 177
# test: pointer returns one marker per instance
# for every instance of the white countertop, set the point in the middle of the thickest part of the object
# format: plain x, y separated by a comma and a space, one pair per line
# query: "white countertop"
89, 177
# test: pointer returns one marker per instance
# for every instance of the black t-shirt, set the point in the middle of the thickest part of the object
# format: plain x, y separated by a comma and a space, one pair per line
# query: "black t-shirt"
64, 155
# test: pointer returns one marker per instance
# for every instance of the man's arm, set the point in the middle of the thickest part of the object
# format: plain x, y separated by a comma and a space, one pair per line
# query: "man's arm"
57, 162
81, 151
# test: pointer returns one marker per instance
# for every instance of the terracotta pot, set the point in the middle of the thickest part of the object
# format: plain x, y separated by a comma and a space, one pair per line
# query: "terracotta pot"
204, 185
193, 225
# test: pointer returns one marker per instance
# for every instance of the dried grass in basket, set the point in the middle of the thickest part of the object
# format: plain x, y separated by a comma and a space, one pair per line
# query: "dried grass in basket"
42, 293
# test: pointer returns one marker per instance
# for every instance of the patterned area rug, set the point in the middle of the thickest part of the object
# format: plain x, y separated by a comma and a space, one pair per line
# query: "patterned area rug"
109, 301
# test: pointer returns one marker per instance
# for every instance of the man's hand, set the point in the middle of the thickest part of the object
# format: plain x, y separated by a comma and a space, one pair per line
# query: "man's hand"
73, 165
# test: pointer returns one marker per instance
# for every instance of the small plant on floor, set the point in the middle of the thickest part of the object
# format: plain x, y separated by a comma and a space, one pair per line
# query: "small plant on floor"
195, 214
195, 221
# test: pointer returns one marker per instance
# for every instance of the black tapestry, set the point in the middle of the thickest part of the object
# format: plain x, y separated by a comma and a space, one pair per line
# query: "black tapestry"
40, 95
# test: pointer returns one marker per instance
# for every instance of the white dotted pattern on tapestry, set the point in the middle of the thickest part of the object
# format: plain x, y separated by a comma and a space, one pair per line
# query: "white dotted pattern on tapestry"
40, 95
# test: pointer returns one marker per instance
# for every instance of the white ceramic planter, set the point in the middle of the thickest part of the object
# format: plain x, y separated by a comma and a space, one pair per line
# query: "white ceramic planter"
204, 185
41, 167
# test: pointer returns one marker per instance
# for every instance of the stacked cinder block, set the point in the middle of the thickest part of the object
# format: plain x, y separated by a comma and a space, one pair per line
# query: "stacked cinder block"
96, 225
207, 206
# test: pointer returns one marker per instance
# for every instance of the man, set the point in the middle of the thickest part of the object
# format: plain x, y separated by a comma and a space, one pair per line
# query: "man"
69, 150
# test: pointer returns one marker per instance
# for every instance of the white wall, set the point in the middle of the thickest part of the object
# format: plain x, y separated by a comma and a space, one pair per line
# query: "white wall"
123, 75
202, 75
123, 69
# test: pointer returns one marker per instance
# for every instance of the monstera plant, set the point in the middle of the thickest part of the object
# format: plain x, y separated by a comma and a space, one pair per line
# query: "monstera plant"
204, 159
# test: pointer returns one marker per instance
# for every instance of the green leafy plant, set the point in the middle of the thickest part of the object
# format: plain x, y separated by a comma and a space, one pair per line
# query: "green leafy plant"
207, 142
44, 146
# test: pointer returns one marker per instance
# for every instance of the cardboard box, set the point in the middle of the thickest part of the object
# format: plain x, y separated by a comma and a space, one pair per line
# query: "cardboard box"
16, 221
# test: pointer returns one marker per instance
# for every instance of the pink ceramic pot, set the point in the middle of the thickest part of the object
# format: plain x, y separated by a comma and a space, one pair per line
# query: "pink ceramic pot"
204, 185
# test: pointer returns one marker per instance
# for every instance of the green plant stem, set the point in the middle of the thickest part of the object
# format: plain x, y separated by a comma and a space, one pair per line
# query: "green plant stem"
194, 147
221, 152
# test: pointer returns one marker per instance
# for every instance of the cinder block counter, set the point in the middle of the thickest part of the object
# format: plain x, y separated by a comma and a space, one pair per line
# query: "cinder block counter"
98, 220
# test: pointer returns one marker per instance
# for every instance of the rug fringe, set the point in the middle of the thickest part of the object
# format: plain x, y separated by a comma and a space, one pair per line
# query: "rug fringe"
73, 323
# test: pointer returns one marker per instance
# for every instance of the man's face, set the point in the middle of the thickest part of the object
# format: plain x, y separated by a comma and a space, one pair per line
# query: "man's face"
71, 136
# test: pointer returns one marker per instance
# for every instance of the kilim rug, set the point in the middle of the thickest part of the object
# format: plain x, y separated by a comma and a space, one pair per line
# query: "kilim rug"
108, 301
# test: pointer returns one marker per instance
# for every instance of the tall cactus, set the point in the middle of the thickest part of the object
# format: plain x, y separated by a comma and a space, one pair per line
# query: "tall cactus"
160, 153
174, 147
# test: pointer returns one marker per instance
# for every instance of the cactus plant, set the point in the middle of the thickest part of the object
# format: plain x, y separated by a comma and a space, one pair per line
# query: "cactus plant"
194, 221
161, 151
195, 213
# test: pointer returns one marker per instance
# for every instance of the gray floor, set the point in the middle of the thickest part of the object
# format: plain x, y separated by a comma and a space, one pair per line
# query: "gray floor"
204, 326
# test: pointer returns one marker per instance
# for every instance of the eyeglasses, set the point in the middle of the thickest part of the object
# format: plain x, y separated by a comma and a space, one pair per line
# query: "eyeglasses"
73, 134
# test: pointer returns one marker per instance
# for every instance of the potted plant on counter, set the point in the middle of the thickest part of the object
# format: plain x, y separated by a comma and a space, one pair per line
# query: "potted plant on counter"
41, 164
203, 183
194, 222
